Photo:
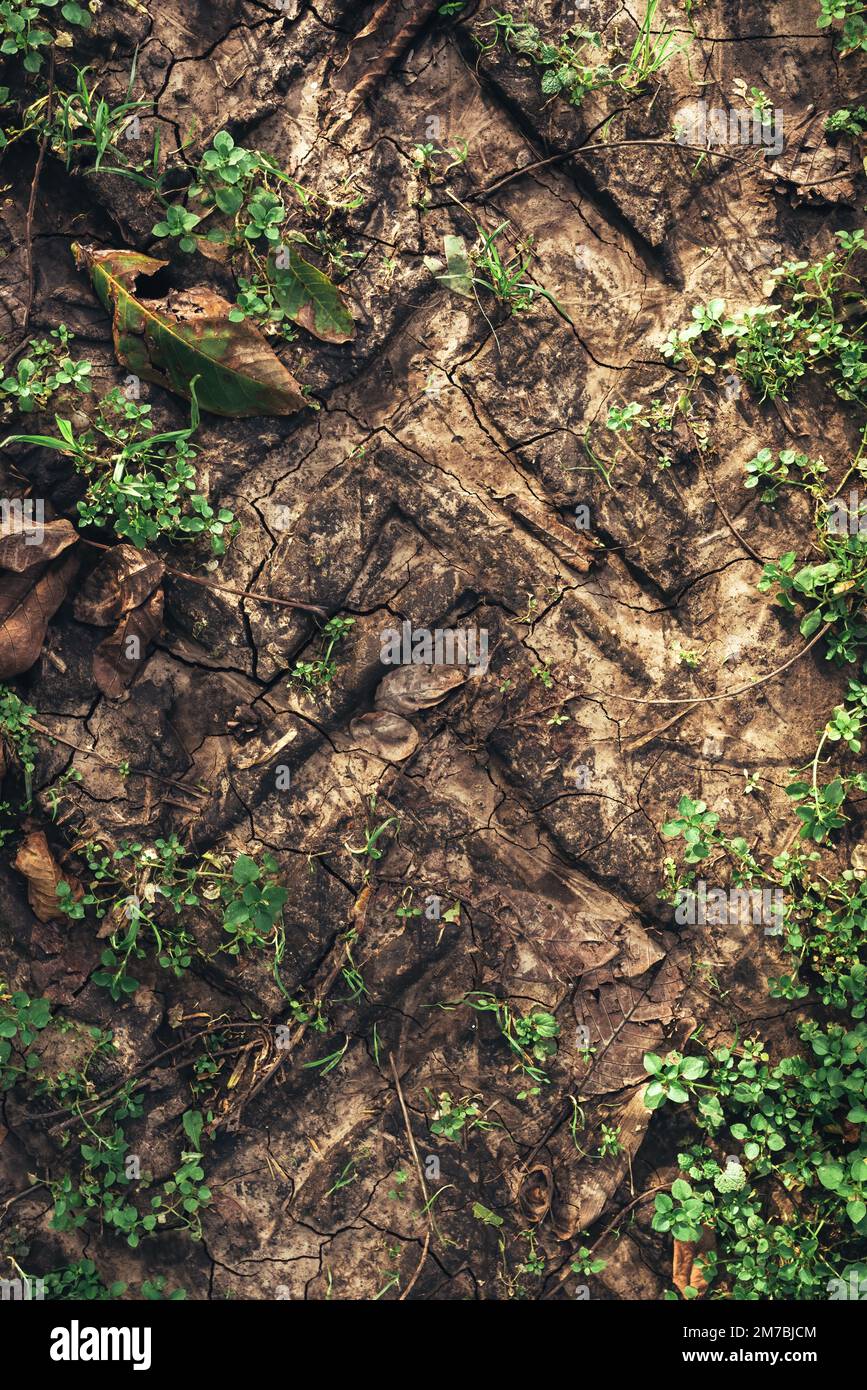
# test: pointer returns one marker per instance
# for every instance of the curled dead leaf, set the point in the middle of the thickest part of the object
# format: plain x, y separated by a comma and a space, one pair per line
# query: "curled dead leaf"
122, 580
686, 1269
28, 602
36, 862
119, 657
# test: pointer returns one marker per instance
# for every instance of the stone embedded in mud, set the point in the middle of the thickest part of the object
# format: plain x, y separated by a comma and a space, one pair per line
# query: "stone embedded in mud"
413, 688
385, 735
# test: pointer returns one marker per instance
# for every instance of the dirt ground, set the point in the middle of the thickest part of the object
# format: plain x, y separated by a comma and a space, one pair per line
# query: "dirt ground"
436, 478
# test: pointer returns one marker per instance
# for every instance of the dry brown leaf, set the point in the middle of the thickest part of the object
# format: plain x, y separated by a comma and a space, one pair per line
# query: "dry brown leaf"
36, 862
686, 1268
34, 545
122, 580
28, 602
118, 659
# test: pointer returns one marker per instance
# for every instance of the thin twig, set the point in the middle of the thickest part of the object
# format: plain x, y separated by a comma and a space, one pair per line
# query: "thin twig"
421, 1181
316, 608
661, 1187
31, 205
709, 699
588, 148
93, 753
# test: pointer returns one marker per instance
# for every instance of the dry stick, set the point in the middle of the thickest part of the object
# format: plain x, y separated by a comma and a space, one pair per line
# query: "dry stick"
239, 593
708, 699
31, 206
599, 145
422, 1184
247, 593
725, 516
640, 740
93, 753
381, 64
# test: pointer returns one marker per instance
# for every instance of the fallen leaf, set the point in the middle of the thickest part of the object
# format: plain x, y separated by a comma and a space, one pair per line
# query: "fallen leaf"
310, 298
122, 580
119, 657
35, 544
28, 602
36, 862
186, 335
686, 1268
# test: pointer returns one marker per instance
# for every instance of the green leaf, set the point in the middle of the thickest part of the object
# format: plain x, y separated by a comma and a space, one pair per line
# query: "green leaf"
811, 623
175, 341
309, 298
192, 1122
830, 1176
693, 1068
245, 869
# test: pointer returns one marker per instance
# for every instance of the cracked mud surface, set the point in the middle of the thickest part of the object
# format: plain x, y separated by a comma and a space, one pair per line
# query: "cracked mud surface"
437, 482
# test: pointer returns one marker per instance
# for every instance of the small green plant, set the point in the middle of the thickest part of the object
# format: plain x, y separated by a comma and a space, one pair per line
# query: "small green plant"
322, 670
610, 1145
142, 484
28, 29
244, 892
154, 1291
452, 1118
45, 369
22, 1019
684, 656
846, 122
624, 417
241, 201
80, 1282
88, 132
102, 1186
797, 1120
17, 735
853, 35
775, 345
674, 1078
788, 468
503, 270
584, 1263
371, 836
574, 66
532, 1037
